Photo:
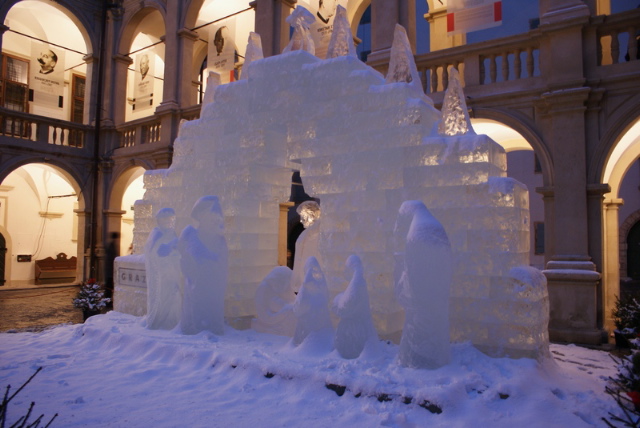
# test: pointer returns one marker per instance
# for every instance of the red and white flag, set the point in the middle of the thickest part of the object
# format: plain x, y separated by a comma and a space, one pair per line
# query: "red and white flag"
464, 16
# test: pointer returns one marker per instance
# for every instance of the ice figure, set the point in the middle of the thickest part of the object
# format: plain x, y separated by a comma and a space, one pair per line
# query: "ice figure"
455, 116
253, 53
162, 264
355, 328
307, 242
423, 280
274, 303
402, 66
204, 263
213, 81
300, 19
311, 307
341, 43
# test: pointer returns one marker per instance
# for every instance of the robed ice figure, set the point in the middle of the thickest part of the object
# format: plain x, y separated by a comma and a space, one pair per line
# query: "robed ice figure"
205, 265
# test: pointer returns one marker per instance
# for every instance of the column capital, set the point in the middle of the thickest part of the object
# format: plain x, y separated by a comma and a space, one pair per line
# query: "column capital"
188, 34
123, 59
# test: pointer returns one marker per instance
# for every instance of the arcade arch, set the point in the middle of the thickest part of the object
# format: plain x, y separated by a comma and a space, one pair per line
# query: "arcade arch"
34, 48
39, 205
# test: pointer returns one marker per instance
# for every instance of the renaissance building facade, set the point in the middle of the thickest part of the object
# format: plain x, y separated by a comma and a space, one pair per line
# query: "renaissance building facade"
92, 95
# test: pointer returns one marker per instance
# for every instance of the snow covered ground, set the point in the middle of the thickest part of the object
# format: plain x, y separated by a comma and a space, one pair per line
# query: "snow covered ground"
112, 372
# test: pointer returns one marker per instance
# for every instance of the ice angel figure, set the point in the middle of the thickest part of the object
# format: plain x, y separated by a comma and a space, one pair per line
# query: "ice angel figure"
311, 307
307, 242
301, 40
205, 266
355, 328
162, 264
422, 281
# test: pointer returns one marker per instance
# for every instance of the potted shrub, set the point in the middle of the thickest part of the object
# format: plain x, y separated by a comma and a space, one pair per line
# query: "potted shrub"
91, 298
626, 316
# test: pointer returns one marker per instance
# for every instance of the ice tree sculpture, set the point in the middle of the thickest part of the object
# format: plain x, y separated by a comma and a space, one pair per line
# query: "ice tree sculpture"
307, 242
423, 279
341, 42
274, 304
253, 53
162, 264
204, 263
301, 19
311, 307
402, 66
455, 116
355, 328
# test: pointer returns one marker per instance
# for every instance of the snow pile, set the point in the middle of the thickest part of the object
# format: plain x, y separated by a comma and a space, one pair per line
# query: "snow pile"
112, 371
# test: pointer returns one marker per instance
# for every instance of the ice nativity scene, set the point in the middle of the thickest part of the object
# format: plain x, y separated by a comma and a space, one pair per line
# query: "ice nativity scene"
414, 236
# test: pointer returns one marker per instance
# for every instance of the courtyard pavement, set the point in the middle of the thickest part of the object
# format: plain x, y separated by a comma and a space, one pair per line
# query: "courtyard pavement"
35, 309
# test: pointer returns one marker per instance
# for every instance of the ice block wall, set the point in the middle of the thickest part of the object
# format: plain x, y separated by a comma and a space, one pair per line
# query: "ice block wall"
363, 147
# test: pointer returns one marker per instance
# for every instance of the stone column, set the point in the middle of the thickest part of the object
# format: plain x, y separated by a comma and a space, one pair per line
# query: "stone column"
82, 244
270, 24
611, 263
121, 65
90, 90
385, 14
186, 95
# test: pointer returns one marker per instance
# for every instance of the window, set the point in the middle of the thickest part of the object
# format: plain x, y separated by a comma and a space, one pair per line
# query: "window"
77, 99
14, 92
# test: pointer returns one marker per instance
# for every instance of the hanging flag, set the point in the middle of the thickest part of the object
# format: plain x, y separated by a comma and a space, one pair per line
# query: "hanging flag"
464, 16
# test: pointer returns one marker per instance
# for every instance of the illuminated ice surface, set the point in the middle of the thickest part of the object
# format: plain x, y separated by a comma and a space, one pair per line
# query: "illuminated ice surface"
363, 147
355, 328
422, 284
162, 264
341, 42
307, 242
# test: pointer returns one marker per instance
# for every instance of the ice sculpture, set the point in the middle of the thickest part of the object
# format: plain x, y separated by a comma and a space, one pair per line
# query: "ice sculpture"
355, 328
455, 116
253, 53
341, 42
274, 304
311, 307
423, 280
402, 66
213, 81
162, 264
307, 242
300, 20
204, 263
362, 147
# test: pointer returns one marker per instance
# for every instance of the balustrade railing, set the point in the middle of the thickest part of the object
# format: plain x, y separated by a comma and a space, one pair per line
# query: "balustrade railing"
618, 37
148, 130
42, 129
500, 60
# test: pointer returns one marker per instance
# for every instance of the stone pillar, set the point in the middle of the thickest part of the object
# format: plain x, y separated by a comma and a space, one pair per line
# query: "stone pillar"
173, 59
385, 14
270, 24
186, 95
121, 65
611, 263
438, 38
81, 244
90, 90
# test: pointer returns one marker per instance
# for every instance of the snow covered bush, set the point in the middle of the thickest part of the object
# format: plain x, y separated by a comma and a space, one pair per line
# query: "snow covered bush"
91, 297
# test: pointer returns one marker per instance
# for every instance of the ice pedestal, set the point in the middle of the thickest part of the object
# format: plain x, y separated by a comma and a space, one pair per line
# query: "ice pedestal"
130, 282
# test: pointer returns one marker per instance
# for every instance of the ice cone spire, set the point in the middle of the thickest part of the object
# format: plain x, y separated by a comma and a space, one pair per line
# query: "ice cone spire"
341, 43
301, 19
455, 116
253, 53
402, 67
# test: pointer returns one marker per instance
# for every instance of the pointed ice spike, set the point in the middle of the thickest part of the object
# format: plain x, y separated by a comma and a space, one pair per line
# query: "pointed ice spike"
213, 81
301, 19
253, 53
341, 43
402, 66
455, 116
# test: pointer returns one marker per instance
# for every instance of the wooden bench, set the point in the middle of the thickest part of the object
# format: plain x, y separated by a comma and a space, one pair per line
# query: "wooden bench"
58, 270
